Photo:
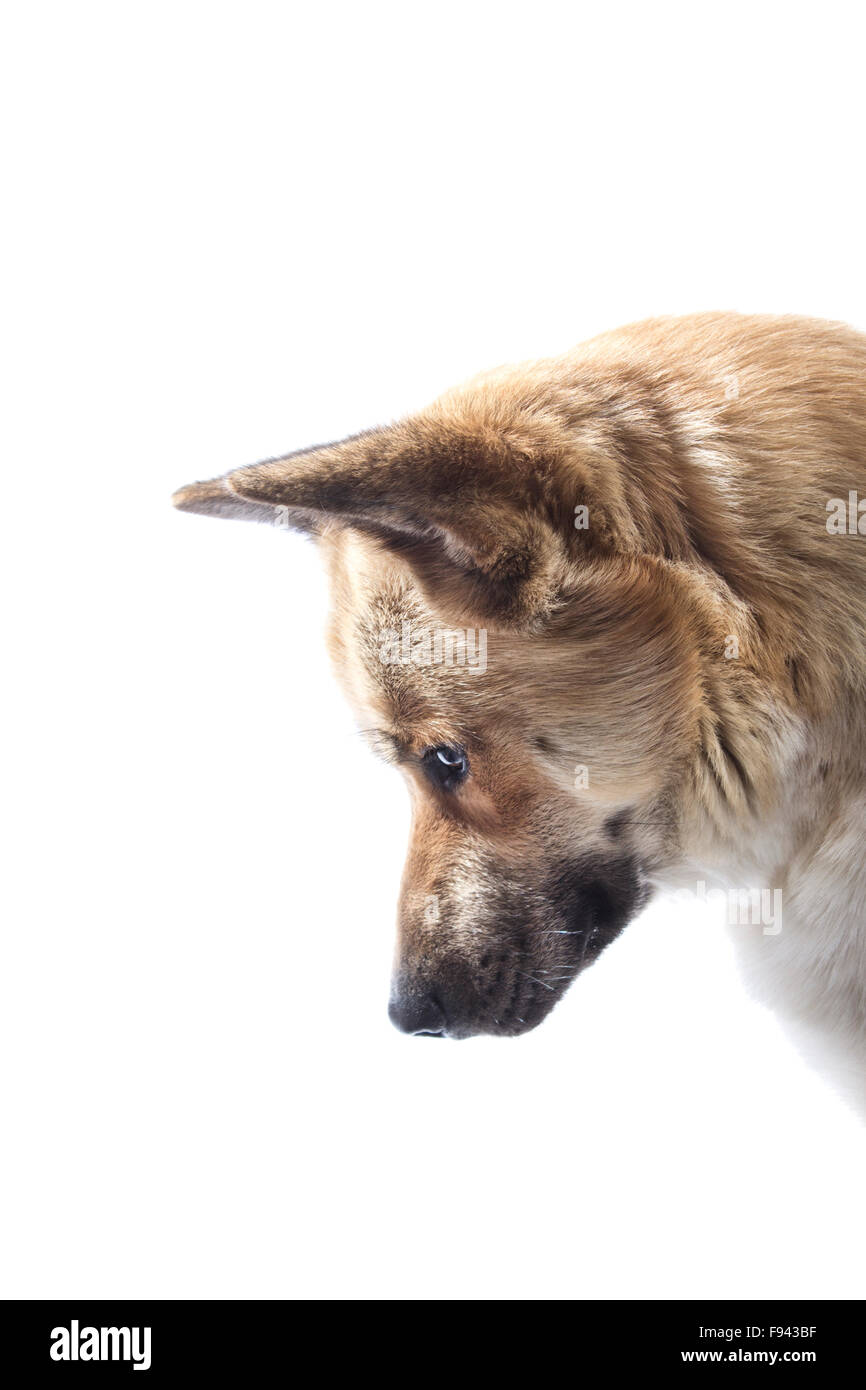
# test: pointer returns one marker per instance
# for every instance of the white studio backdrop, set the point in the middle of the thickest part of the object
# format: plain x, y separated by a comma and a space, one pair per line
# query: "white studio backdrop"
233, 230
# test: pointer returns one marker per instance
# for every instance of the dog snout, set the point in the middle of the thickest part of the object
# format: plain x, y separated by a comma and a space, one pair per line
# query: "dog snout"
417, 1011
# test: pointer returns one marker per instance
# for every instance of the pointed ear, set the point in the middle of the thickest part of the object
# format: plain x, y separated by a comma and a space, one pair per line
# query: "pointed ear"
481, 519
216, 498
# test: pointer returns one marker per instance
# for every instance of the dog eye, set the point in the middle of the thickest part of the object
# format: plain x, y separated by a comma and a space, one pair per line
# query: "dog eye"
446, 765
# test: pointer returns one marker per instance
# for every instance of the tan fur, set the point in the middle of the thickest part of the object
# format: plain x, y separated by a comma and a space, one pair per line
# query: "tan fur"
705, 450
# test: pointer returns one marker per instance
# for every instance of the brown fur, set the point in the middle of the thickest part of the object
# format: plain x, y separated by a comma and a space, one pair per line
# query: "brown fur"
705, 450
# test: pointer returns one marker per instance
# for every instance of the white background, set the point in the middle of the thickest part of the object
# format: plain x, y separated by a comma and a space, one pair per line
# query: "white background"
232, 230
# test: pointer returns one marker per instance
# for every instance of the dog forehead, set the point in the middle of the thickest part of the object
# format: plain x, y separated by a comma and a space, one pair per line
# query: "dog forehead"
383, 639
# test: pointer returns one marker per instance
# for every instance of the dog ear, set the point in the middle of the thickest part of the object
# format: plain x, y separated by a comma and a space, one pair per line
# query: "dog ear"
478, 516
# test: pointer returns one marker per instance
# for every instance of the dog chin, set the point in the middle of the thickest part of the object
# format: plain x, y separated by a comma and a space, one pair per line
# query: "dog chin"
530, 994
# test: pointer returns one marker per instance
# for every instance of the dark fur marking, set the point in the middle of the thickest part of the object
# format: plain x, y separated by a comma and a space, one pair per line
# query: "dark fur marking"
598, 897
740, 772
616, 825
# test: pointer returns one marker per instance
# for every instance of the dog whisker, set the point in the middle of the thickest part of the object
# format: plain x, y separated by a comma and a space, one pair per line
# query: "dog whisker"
535, 981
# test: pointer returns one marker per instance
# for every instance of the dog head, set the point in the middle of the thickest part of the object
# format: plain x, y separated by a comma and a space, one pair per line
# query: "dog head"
510, 640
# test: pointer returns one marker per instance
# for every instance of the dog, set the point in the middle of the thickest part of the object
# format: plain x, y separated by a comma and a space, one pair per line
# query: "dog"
658, 542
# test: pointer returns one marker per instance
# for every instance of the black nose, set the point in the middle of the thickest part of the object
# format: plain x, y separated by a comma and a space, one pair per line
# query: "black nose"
417, 1012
